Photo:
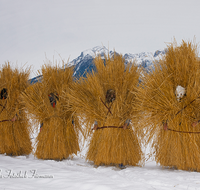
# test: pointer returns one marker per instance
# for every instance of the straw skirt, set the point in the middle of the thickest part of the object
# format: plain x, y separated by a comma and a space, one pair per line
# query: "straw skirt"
111, 146
56, 140
178, 149
14, 136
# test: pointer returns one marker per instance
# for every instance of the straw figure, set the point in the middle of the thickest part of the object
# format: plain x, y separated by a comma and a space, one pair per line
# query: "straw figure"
103, 101
14, 126
58, 137
170, 99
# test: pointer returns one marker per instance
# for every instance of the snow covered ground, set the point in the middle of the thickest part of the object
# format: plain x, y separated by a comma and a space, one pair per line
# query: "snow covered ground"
26, 173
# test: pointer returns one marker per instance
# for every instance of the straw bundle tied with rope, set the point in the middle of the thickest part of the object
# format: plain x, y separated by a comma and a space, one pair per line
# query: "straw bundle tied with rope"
15, 128
169, 97
104, 97
59, 132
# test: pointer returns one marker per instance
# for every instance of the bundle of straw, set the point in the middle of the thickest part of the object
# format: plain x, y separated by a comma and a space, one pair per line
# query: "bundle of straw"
167, 121
109, 145
14, 125
58, 137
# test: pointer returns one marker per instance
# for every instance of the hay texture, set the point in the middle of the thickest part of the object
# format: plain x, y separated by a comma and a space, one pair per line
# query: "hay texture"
14, 126
168, 120
113, 145
58, 137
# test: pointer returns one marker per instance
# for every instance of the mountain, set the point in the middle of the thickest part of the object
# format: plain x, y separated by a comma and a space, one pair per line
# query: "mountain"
84, 63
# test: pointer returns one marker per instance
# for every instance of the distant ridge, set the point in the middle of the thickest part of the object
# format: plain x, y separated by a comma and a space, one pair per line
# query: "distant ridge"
84, 62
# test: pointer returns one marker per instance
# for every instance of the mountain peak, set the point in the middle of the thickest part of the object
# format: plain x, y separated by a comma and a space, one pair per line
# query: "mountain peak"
95, 51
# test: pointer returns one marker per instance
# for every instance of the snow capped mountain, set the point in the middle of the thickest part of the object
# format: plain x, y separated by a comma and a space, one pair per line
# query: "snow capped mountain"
94, 52
84, 63
144, 59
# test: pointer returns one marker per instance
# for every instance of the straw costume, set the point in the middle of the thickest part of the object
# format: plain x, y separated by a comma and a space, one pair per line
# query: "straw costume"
170, 100
14, 125
58, 137
104, 98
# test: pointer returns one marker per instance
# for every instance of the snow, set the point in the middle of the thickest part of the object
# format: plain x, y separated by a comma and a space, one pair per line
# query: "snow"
28, 172
98, 50
30, 31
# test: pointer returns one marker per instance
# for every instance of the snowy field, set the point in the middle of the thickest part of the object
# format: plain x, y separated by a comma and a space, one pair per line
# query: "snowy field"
75, 173
28, 172
31, 30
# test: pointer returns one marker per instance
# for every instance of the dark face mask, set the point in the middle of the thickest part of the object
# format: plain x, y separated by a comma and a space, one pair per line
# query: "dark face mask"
4, 94
52, 99
110, 96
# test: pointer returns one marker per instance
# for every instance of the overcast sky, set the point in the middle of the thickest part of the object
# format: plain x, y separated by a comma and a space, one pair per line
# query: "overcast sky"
32, 30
